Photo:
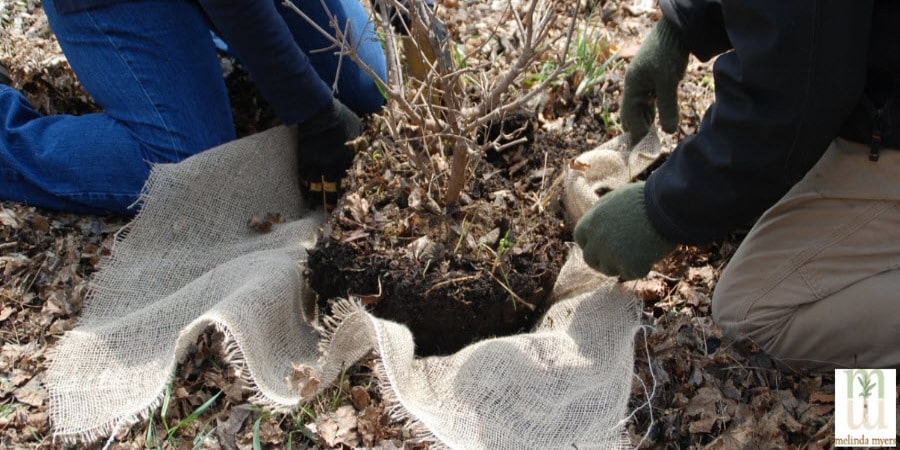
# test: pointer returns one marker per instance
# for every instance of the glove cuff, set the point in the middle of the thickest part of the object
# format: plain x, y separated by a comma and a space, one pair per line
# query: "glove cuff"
669, 37
657, 245
333, 115
633, 193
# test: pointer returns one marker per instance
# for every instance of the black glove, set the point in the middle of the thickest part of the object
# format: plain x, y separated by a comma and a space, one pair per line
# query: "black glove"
324, 155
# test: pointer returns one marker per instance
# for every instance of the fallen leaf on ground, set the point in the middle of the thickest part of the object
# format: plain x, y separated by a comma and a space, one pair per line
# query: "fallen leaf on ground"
338, 427
6, 312
263, 223
227, 430
359, 397
303, 379
822, 403
33, 393
650, 289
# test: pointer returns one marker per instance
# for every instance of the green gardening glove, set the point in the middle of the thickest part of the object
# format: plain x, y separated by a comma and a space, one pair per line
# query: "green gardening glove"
654, 74
616, 236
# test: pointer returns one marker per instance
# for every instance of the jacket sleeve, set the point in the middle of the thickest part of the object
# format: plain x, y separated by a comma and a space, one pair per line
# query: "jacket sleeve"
794, 74
260, 38
701, 25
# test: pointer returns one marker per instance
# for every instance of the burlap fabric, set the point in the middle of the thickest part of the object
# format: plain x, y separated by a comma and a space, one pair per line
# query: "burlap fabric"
605, 168
189, 261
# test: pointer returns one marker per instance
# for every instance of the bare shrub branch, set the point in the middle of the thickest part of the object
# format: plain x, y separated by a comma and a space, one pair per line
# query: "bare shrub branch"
442, 110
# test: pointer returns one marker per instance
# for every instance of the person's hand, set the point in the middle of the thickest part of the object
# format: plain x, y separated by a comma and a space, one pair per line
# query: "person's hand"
653, 75
616, 236
324, 155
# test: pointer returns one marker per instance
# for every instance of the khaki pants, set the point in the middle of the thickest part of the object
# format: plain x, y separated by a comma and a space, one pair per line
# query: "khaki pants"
816, 283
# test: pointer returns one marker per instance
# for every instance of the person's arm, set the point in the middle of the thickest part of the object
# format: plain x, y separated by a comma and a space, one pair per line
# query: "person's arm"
260, 38
653, 76
258, 35
700, 24
796, 71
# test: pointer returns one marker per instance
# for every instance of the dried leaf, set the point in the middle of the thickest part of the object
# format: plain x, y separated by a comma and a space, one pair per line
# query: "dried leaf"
13, 352
60, 326
227, 430
650, 289
703, 425
39, 223
263, 223
703, 401
696, 378
821, 397
8, 218
415, 198
822, 403
705, 404
704, 276
20, 379
339, 427
731, 392
303, 379
6, 312
780, 419
57, 305
739, 436
359, 397
357, 206
579, 165
368, 426
234, 391
491, 238
33, 393
628, 51
692, 296
270, 433
39, 420
432, 206
424, 249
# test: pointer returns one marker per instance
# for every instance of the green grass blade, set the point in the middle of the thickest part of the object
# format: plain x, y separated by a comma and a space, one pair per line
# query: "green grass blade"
195, 414
257, 445
164, 409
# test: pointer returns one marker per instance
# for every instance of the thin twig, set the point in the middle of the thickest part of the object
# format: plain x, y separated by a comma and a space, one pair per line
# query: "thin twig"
512, 294
450, 281
354, 56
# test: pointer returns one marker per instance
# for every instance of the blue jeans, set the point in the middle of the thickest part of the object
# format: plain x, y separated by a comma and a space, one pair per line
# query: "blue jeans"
152, 67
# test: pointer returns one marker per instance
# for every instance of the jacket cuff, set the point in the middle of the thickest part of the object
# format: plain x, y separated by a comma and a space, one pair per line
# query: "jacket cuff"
666, 227
700, 24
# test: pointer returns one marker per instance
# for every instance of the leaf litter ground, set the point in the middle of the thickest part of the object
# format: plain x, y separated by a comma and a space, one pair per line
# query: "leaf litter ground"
485, 267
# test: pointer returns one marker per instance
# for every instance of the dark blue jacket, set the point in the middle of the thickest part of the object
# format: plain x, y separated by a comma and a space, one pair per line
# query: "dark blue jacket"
257, 34
791, 76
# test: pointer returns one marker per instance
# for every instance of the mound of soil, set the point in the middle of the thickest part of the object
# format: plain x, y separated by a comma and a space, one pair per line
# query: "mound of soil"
454, 275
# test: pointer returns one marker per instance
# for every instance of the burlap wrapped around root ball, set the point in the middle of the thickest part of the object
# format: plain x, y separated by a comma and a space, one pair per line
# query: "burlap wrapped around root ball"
189, 261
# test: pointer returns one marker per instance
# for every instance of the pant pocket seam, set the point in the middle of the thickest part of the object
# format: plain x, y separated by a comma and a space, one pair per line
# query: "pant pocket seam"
797, 262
